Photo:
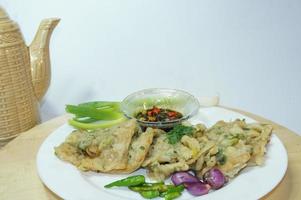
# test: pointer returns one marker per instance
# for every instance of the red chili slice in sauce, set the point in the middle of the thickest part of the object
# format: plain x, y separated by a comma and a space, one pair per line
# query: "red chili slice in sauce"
156, 114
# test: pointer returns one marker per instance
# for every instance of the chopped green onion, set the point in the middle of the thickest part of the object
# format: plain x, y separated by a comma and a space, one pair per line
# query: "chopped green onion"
93, 126
92, 112
85, 119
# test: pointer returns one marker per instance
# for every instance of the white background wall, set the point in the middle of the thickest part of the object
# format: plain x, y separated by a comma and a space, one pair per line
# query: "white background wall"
247, 51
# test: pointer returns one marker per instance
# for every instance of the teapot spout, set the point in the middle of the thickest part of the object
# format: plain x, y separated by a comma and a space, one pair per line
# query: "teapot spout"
39, 57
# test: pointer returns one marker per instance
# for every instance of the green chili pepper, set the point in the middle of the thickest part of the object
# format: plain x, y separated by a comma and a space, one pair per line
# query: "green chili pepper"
153, 184
158, 187
129, 181
179, 188
93, 126
172, 195
150, 194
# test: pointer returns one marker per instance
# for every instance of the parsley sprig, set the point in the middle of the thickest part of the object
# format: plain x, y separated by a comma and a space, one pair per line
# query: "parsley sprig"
178, 132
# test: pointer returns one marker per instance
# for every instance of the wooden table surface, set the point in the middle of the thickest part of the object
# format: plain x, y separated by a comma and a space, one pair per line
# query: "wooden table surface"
19, 179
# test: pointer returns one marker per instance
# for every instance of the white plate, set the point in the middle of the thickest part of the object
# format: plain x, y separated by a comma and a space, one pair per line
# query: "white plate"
69, 183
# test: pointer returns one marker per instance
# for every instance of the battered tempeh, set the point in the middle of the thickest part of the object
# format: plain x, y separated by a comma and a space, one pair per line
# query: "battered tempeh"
102, 151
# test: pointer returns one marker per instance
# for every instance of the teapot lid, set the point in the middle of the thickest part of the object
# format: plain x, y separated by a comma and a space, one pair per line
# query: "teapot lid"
3, 14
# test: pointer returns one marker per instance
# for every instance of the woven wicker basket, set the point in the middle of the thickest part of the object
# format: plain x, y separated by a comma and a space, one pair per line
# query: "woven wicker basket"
18, 64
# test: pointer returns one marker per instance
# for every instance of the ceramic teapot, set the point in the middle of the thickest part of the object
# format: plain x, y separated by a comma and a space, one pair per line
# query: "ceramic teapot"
24, 75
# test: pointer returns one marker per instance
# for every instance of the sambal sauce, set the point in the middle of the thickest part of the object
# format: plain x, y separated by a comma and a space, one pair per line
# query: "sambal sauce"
157, 114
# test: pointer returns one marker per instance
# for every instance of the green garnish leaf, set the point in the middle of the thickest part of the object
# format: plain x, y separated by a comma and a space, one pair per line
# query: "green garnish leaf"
221, 157
178, 132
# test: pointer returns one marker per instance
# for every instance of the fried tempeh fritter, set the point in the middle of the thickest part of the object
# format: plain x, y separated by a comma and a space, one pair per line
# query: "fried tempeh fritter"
138, 150
229, 146
103, 150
